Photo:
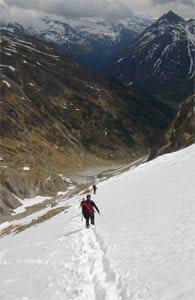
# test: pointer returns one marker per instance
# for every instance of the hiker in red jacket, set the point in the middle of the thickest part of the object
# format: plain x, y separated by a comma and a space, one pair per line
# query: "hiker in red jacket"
94, 188
88, 210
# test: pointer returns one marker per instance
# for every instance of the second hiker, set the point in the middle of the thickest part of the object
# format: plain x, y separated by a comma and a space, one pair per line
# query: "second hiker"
94, 188
88, 210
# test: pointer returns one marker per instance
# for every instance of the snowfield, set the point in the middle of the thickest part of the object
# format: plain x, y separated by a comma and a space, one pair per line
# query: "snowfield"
142, 248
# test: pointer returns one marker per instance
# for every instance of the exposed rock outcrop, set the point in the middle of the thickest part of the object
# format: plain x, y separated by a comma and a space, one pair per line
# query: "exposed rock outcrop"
181, 132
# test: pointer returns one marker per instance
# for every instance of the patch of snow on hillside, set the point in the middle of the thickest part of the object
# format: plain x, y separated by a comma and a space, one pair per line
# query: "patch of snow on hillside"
166, 50
4, 225
10, 49
146, 38
33, 201
61, 193
27, 202
7, 83
32, 48
26, 168
157, 64
190, 45
24, 42
8, 54
10, 67
120, 59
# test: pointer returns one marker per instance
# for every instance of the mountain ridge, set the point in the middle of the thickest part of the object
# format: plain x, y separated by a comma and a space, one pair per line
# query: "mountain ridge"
160, 60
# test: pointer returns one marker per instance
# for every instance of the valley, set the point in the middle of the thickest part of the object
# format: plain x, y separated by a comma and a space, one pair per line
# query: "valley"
60, 118
57, 117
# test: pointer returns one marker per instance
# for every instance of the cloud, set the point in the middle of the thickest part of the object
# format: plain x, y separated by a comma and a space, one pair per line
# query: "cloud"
165, 2
184, 8
108, 9
30, 11
23, 16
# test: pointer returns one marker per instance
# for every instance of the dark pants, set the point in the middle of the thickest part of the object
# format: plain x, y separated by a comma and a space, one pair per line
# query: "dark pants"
88, 217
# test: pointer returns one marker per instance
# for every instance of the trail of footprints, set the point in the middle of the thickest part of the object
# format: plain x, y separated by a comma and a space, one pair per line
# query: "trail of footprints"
89, 271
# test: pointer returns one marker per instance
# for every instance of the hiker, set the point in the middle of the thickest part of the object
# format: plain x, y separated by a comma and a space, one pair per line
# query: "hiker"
88, 210
94, 188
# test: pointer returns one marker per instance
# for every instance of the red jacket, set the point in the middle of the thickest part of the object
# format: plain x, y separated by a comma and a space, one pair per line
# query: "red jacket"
88, 207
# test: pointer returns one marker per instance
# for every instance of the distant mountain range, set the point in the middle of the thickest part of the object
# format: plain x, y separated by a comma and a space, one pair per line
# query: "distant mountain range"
161, 59
155, 56
93, 42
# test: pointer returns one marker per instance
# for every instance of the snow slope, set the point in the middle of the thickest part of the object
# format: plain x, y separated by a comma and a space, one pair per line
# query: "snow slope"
142, 247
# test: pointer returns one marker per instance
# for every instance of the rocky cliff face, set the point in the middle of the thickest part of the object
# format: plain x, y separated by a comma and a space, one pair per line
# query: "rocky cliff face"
181, 132
161, 59
57, 117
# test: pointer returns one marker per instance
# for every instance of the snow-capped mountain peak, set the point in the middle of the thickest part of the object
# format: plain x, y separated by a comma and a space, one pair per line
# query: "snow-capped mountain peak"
161, 59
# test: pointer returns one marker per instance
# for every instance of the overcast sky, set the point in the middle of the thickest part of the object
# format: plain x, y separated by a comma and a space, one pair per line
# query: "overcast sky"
111, 10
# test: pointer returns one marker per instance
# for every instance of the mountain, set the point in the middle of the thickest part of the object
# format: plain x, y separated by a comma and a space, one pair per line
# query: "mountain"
161, 59
181, 132
93, 42
57, 117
